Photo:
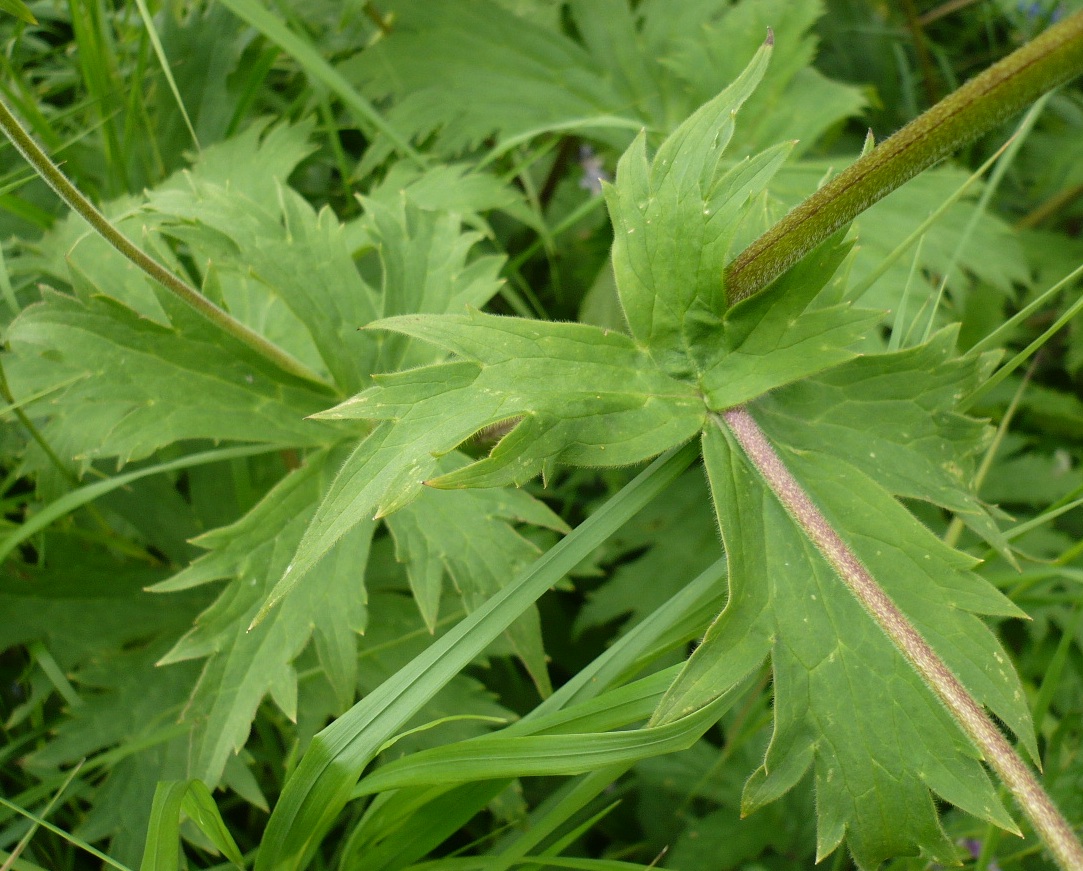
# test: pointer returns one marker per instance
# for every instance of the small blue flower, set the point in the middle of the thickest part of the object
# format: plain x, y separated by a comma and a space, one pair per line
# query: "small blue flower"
973, 847
594, 172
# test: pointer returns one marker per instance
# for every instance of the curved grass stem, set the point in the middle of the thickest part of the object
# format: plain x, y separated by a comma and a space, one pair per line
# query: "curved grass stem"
1047, 820
71, 195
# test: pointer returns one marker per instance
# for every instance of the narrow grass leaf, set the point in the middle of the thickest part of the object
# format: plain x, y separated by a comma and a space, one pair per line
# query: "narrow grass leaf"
84, 495
67, 836
501, 756
256, 14
320, 787
159, 52
200, 807
162, 851
19, 9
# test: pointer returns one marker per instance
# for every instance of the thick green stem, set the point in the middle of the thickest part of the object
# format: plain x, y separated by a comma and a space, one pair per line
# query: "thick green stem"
71, 195
1002, 90
1047, 820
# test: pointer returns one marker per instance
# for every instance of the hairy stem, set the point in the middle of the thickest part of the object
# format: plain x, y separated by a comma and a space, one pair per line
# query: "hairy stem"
1000, 755
1002, 90
71, 195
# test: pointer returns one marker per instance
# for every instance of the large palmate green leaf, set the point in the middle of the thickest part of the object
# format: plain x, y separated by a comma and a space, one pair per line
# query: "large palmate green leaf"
686, 254
242, 667
578, 394
583, 396
464, 71
468, 537
134, 386
127, 371
438, 535
291, 272
847, 704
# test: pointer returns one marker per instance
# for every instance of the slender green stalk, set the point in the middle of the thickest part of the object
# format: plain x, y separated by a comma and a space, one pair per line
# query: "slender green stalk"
1047, 820
71, 195
167, 71
955, 528
25, 839
1050, 207
1045, 62
864, 283
71, 839
1031, 349
35, 433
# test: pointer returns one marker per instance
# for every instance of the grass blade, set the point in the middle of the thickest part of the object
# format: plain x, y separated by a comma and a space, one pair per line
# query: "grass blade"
71, 839
324, 780
78, 498
320, 70
162, 850
152, 34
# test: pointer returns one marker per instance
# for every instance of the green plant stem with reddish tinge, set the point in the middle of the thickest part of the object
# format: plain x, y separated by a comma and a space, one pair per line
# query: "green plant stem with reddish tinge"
185, 292
1047, 820
1004, 89
1001, 91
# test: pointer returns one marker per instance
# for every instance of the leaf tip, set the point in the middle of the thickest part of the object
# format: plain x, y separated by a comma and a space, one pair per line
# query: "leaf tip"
870, 142
255, 621
770, 36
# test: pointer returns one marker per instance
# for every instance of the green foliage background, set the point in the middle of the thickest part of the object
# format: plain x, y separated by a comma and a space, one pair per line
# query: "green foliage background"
209, 561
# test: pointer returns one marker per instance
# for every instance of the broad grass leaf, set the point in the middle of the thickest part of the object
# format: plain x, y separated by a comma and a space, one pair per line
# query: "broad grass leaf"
580, 738
462, 709
385, 834
191, 798
200, 808
401, 828
19, 9
162, 851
